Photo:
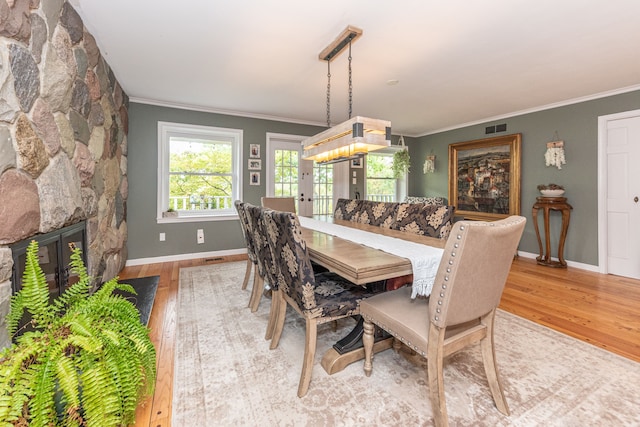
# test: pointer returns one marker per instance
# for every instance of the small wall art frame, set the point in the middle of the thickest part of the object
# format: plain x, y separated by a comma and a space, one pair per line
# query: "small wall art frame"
254, 164
254, 178
254, 151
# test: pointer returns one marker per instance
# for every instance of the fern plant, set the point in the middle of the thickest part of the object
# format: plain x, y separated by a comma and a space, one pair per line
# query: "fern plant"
84, 359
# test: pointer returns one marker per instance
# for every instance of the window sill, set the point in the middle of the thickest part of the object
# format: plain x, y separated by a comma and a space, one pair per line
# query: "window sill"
196, 218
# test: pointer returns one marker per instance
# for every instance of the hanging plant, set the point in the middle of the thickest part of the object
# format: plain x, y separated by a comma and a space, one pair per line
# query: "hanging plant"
401, 163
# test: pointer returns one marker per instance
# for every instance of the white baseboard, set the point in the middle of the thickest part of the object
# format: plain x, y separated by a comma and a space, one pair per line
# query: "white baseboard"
182, 257
581, 266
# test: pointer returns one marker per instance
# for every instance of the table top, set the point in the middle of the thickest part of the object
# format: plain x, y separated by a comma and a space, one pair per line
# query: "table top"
358, 263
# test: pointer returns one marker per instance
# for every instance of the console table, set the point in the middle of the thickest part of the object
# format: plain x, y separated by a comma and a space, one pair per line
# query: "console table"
551, 204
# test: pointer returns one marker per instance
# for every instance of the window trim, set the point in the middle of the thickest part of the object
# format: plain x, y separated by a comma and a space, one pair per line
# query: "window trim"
165, 131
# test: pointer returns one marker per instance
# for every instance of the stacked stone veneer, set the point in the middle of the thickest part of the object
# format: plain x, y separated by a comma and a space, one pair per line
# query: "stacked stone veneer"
63, 137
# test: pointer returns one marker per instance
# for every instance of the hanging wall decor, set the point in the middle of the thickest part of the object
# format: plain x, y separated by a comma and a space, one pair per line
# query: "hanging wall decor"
429, 164
554, 156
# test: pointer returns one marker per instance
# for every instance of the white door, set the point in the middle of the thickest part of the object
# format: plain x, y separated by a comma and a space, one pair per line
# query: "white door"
619, 154
287, 174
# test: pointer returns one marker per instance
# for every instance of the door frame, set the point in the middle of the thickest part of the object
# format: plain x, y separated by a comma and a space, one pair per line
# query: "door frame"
603, 232
303, 166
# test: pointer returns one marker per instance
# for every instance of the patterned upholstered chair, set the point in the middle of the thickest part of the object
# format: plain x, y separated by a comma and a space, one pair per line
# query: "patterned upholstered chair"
428, 220
459, 312
318, 298
262, 254
268, 265
251, 257
347, 209
380, 214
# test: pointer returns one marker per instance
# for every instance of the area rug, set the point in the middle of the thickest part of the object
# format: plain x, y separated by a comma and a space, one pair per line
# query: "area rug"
225, 374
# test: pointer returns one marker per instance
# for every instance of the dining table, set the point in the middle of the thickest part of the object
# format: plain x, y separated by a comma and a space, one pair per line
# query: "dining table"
362, 254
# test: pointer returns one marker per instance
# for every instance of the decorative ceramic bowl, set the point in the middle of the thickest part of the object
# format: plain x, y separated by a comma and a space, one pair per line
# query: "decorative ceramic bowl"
552, 193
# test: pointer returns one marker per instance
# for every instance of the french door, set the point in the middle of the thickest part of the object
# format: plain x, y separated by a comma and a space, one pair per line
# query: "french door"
289, 176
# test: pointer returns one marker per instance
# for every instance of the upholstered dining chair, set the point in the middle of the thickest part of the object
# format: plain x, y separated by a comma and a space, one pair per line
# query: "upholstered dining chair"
244, 224
284, 204
318, 297
460, 310
266, 260
262, 254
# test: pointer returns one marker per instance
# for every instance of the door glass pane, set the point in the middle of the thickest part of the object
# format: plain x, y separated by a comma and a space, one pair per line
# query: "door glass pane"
286, 174
322, 189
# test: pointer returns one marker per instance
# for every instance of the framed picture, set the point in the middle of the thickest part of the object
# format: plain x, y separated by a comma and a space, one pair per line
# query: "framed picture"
254, 151
356, 163
254, 178
255, 164
484, 177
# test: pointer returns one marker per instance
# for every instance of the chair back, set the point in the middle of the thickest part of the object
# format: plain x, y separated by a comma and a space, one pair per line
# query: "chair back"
284, 204
258, 238
244, 224
291, 257
263, 252
473, 270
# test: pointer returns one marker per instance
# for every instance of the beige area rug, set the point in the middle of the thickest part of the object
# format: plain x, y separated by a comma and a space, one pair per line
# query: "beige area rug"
225, 374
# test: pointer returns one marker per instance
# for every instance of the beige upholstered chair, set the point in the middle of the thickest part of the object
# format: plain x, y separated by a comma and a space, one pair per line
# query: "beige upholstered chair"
283, 204
460, 310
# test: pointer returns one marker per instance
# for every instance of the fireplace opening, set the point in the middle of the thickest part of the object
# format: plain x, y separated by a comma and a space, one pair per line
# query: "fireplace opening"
54, 256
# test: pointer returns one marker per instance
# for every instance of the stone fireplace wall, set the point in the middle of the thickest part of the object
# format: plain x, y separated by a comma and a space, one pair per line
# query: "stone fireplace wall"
63, 138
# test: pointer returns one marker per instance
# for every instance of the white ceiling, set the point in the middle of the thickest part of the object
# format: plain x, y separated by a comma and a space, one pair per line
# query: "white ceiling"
456, 61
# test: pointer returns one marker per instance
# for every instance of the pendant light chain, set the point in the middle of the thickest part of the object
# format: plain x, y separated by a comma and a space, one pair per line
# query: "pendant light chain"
328, 94
350, 83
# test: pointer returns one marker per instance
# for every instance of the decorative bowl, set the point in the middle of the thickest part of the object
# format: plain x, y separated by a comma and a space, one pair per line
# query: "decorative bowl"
552, 193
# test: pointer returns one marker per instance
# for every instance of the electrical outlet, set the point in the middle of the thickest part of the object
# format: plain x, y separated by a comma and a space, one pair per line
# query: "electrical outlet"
163, 237
200, 236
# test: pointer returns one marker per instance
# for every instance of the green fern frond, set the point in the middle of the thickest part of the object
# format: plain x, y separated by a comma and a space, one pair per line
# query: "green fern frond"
35, 292
42, 405
15, 313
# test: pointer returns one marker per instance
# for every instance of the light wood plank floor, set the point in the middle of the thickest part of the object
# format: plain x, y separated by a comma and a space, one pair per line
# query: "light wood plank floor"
603, 310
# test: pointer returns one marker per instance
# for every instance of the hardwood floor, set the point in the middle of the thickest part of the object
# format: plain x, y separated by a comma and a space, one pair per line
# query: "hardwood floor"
603, 310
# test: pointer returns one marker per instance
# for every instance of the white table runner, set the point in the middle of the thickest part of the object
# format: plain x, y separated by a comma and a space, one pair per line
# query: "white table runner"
424, 259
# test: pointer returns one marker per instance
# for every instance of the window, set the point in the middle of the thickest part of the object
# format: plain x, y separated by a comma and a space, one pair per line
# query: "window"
380, 182
200, 173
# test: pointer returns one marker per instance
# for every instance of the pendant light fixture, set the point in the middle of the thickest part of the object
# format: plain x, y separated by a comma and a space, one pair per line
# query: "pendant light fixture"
355, 137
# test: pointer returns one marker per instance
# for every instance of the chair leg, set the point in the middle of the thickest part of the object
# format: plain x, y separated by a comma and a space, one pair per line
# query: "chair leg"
279, 320
256, 293
435, 357
367, 340
273, 314
490, 365
247, 273
309, 355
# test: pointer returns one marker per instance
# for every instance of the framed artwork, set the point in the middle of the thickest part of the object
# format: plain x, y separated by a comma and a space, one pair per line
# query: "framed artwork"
484, 177
255, 164
356, 163
254, 178
254, 151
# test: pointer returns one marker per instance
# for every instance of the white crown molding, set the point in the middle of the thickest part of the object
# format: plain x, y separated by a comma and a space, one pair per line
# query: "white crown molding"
221, 111
540, 108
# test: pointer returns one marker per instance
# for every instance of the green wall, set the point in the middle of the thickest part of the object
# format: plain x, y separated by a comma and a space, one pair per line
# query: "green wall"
142, 170
577, 126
